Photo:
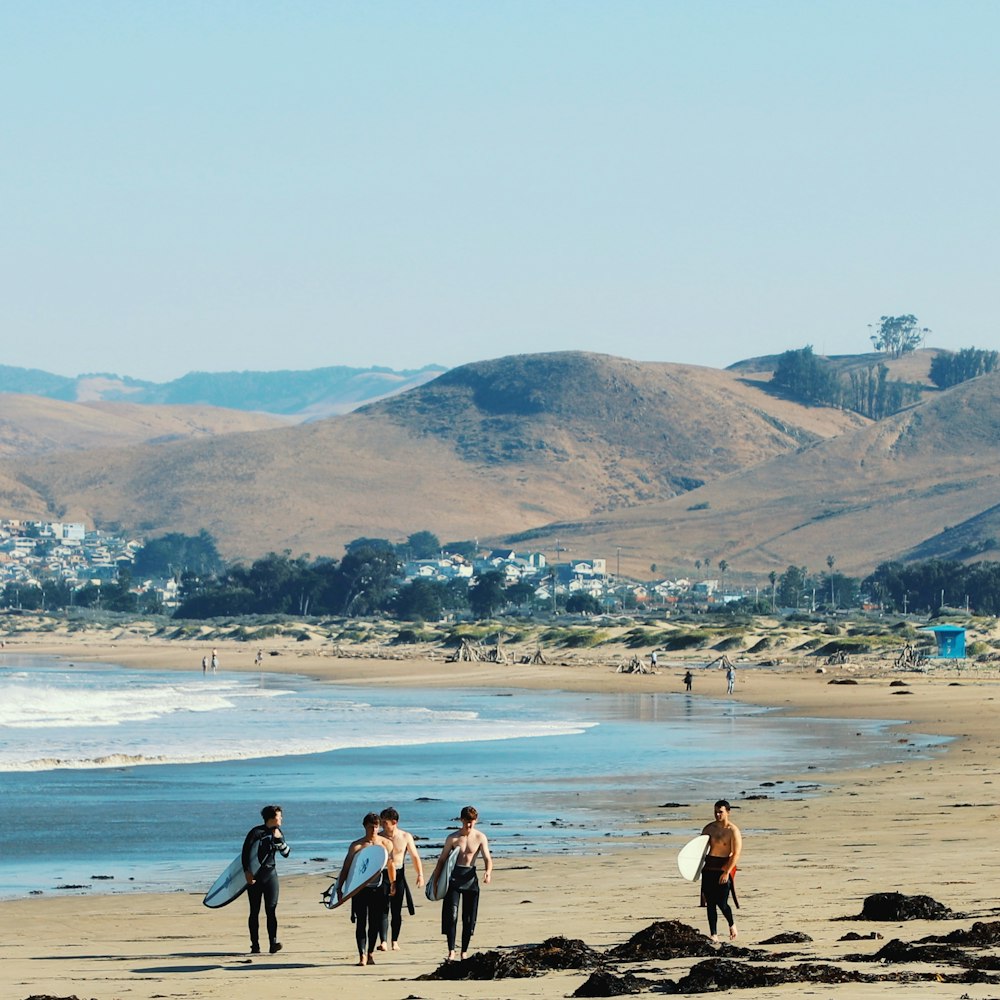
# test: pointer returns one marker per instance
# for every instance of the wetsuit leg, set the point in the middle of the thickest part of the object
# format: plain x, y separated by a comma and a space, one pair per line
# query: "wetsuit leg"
449, 915
377, 912
269, 890
255, 893
470, 911
722, 901
396, 904
359, 913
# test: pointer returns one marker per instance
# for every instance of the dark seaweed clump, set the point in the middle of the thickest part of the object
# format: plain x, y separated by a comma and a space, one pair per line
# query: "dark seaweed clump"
662, 941
520, 963
606, 984
789, 937
896, 906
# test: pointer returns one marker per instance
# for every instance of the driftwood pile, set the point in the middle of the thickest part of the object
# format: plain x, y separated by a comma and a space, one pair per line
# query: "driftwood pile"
475, 652
634, 666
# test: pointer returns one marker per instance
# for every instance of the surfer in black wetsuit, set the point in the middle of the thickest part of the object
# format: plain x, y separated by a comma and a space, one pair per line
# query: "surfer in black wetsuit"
369, 906
402, 844
464, 884
718, 877
265, 841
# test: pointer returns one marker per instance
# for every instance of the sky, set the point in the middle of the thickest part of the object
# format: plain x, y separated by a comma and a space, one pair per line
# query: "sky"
231, 186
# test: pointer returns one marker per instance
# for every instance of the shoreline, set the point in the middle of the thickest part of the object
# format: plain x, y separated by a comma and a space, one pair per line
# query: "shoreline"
920, 827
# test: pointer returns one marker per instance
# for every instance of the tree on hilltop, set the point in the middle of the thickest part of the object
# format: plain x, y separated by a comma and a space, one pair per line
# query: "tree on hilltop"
896, 335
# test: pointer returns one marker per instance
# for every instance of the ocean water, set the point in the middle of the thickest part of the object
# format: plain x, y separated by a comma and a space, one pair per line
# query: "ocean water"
126, 779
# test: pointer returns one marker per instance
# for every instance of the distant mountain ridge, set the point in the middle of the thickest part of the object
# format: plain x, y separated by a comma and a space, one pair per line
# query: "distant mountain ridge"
305, 395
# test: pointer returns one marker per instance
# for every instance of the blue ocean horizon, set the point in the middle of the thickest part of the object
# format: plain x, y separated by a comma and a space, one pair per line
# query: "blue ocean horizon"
148, 780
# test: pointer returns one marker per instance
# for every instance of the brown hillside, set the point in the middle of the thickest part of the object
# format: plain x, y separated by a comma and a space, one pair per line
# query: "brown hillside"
863, 497
490, 448
32, 425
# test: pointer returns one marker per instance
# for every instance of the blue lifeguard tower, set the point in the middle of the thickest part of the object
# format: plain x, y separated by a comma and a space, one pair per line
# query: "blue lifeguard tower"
950, 641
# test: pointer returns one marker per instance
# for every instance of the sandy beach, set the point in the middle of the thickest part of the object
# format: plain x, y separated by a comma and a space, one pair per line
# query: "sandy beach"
921, 828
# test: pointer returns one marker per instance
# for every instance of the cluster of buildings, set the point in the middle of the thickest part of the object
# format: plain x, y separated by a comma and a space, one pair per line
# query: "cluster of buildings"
34, 552
561, 581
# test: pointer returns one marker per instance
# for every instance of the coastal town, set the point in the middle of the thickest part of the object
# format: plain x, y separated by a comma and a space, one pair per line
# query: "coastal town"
47, 563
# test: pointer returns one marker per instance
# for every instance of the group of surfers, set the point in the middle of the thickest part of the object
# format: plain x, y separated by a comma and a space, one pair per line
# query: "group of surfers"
377, 909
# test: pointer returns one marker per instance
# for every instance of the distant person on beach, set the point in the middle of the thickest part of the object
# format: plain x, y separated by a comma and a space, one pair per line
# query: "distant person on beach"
688, 678
204, 664
259, 658
652, 661
266, 840
718, 877
402, 844
730, 678
215, 660
370, 905
464, 885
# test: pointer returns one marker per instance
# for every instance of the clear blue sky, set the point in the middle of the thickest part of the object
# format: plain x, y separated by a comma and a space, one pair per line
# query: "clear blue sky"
225, 186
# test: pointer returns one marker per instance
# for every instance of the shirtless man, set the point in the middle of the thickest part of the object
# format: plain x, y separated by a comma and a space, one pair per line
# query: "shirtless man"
402, 844
725, 842
464, 885
370, 904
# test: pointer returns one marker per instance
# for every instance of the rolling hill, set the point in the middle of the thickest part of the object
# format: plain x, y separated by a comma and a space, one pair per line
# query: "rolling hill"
486, 449
923, 482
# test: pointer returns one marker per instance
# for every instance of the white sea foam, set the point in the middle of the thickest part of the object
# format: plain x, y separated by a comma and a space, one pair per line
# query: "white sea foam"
108, 718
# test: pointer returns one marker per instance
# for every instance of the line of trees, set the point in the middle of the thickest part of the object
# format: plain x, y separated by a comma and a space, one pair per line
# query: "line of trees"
931, 584
950, 368
868, 391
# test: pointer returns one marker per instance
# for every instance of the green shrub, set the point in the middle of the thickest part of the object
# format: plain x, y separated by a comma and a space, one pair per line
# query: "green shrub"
687, 640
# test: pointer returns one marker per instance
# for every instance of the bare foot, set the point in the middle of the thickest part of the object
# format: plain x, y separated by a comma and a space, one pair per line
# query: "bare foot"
451, 957
465, 955
395, 946
733, 933
371, 958
362, 960
381, 946
714, 938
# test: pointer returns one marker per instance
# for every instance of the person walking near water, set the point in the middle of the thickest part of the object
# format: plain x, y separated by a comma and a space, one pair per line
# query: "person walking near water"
215, 660
265, 841
369, 906
464, 885
730, 678
402, 844
688, 678
718, 877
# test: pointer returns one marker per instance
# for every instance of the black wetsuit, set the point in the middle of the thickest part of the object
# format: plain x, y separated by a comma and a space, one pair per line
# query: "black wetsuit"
368, 910
715, 894
265, 886
464, 885
395, 910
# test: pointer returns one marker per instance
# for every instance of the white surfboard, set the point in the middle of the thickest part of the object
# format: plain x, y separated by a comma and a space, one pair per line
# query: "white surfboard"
691, 859
438, 889
366, 865
232, 883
